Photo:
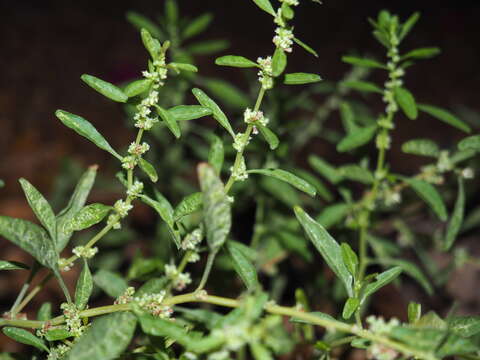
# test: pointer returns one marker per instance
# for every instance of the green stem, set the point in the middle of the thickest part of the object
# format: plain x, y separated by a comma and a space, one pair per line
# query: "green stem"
208, 268
34, 292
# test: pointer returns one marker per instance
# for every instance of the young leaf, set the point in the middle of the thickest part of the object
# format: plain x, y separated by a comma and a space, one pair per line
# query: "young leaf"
178, 67
455, 223
105, 88
422, 53
350, 259
244, 268
348, 118
327, 246
169, 121
411, 270
356, 139
45, 312
188, 205
414, 312
140, 21
106, 339
407, 103
218, 114
12, 265
381, 280
351, 305
188, 112
408, 25
279, 62
88, 216
137, 87
332, 215
148, 169
325, 169
422, 147
25, 337
197, 26
216, 154
235, 61
171, 11
305, 47
31, 238
84, 287
430, 195
445, 116
322, 189
357, 173
152, 45
57, 334
301, 78
86, 129
470, 143
111, 283
269, 136
287, 177
370, 63
40, 207
266, 6
362, 86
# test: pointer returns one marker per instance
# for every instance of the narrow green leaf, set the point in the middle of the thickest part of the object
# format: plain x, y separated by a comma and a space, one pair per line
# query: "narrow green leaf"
88, 216
422, 53
207, 47
411, 270
188, 112
305, 47
163, 207
455, 223
137, 87
140, 21
85, 129
235, 61
260, 352
105, 88
197, 26
84, 287
407, 103
57, 334
244, 268
12, 265
370, 63
266, 6
445, 116
348, 118
430, 195
279, 62
408, 25
171, 11
327, 246
148, 169
470, 143
107, 338
218, 114
325, 169
152, 45
188, 205
40, 207
350, 259
356, 173
45, 312
25, 337
414, 312
269, 136
362, 86
351, 305
287, 177
227, 93
356, 139
322, 189
422, 147
178, 67
216, 154
111, 283
301, 78
381, 280
332, 215
169, 121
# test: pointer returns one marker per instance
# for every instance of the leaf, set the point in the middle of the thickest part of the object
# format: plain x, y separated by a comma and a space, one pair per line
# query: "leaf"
364, 62
445, 116
140, 21
260, 352
45, 312
148, 169
350, 259
470, 143
422, 147
216, 154
351, 305
107, 338
362, 86
332, 215
188, 112
31, 238
327, 246
348, 118
430, 195
269, 136
12, 265
422, 53
414, 312
356, 173
57, 334
197, 26
319, 314
235, 61
218, 114
105, 88
216, 207
406, 101
266, 6
465, 326
305, 47
301, 78
322, 189
152, 45
40, 206
85, 129
171, 122
242, 265
111, 283
287, 177
84, 287
381, 280
279, 62
152, 286
188, 205
408, 25
88, 216
411, 270
137, 87
227, 93
207, 47
356, 139
456, 220
25, 337
325, 169
182, 67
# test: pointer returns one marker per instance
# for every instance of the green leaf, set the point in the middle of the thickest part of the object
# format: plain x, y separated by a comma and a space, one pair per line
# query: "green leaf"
445, 116
322, 189
105, 88
422, 53
269, 136
40, 206
152, 286
351, 305
325, 169
88, 216
370, 63
171, 11
218, 114
86, 129
305, 47
348, 118
148, 169
301, 78
332, 215
242, 265
356, 139
357, 173
152, 45
188, 205
169, 121
216, 207
137, 87
84, 287
12, 265
465, 326
408, 25
57, 334
25, 337
227, 93
414, 312
207, 47
287, 177
111, 283
31, 238
260, 352
422, 147
470, 143
455, 223
350, 259
216, 154
327, 246
381, 280
411, 270
140, 21
188, 112
235, 61
430, 195
319, 314
178, 67
279, 62
197, 26
407, 103
362, 86
45, 312
266, 6
107, 338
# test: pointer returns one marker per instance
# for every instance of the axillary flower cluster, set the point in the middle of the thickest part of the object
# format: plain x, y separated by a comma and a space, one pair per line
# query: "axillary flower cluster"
151, 303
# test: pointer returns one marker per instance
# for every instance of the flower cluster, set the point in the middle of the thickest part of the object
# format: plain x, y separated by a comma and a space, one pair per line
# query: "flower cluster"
255, 117
58, 352
158, 73
153, 304
283, 39
85, 252
239, 173
179, 279
64, 265
143, 118
135, 190
138, 149
191, 242
126, 297
72, 319
241, 141
121, 208
380, 326
265, 76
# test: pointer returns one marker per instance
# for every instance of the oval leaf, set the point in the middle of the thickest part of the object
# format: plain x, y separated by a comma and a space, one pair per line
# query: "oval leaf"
362, 86
422, 147
137, 87
188, 112
235, 61
287, 177
351, 305
12, 265
430, 195
169, 121
470, 143
188, 205
88, 216
25, 337
218, 114
407, 103
111, 283
266, 6
216, 154
279, 62
381, 280
357, 138
105, 88
148, 169
301, 78
269, 136
363, 62
242, 265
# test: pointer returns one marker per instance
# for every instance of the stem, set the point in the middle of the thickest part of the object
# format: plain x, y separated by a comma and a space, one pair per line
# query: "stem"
34, 292
208, 268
